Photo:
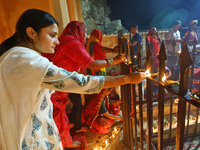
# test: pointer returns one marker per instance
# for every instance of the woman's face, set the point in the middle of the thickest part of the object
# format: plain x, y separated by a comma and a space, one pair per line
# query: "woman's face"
46, 40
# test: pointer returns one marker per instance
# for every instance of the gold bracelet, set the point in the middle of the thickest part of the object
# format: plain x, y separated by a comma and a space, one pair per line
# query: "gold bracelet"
109, 62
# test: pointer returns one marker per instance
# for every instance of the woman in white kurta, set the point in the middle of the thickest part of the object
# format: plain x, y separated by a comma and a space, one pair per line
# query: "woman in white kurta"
27, 80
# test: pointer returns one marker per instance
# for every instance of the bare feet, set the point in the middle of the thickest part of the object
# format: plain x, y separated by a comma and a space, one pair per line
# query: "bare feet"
75, 144
83, 129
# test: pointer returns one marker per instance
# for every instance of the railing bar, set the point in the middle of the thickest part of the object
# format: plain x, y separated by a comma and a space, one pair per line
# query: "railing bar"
160, 118
188, 121
170, 126
133, 100
140, 115
194, 103
149, 113
196, 123
145, 137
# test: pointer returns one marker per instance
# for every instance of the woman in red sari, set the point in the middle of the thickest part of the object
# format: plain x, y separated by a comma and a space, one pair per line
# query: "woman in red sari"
72, 56
97, 116
154, 42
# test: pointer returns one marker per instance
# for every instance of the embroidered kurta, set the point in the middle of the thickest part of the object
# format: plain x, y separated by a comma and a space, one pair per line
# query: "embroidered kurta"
26, 120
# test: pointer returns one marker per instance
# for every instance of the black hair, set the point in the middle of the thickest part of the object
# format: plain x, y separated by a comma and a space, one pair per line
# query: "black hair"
134, 26
35, 18
177, 22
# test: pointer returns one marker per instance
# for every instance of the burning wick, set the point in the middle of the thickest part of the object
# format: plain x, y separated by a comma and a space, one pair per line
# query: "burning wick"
115, 129
179, 52
147, 73
113, 135
95, 148
164, 78
135, 56
106, 142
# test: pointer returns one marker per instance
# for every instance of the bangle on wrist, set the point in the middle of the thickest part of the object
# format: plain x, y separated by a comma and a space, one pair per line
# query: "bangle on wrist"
109, 62
113, 51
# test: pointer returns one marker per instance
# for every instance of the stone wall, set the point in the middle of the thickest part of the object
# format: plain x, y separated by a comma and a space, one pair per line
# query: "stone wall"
96, 15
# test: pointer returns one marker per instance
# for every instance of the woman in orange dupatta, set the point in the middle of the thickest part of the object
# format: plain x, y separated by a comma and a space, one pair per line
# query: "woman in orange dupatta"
97, 51
96, 115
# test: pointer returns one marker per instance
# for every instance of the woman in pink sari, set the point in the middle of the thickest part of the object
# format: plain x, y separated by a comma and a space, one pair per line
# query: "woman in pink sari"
154, 42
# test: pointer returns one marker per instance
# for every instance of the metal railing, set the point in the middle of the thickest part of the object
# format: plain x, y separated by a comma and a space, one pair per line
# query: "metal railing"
138, 123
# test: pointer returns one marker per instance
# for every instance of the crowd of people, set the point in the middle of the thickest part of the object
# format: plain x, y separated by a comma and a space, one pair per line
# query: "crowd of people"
173, 42
40, 73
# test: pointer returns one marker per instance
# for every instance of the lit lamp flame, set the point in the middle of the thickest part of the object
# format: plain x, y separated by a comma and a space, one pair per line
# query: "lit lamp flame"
115, 129
179, 52
147, 73
125, 61
106, 142
95, 148
113, 135
164, 78
135, 56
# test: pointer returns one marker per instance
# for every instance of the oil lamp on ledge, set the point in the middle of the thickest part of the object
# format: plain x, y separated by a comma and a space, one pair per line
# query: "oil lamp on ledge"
151, 75
195, 96
168, 82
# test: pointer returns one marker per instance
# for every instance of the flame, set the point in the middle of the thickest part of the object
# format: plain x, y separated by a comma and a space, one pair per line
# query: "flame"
115, 129
113, 135
147, 73
106, 141
164, 78
135, 56
95, 148
179, 52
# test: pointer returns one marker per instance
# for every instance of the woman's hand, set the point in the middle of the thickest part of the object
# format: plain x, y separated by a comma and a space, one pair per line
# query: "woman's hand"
115, 49
130, 44
136, 78
119, 59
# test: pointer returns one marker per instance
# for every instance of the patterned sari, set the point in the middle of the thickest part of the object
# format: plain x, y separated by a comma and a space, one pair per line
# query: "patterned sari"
91, 118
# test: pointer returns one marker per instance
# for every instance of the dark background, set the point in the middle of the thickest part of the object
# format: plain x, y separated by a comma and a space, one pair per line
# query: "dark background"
158, 13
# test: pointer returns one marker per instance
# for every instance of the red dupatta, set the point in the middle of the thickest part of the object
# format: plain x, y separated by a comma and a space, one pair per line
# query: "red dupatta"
154, 39
77, 31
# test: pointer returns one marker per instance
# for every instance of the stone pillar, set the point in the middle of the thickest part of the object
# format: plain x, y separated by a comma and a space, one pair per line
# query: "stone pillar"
78, 4
61, 13
73, 14
74, 9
